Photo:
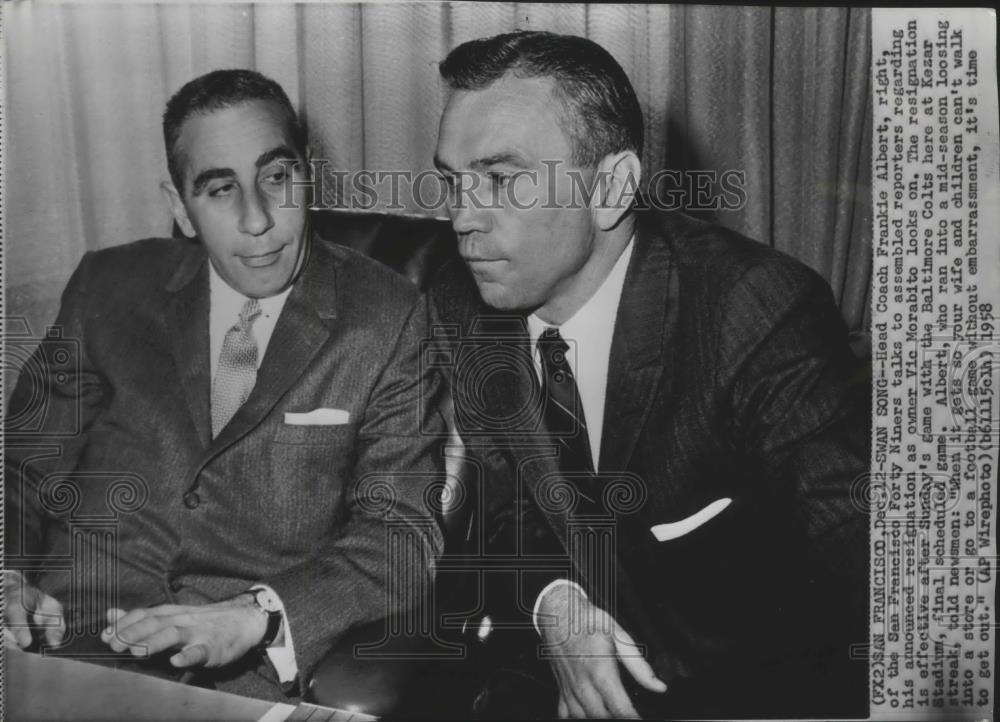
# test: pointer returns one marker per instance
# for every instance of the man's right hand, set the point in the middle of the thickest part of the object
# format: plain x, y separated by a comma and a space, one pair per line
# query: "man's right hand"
587, 644
28, 606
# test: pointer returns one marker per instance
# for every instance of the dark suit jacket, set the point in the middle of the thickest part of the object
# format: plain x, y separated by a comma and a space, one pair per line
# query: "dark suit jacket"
730, 377
118, 496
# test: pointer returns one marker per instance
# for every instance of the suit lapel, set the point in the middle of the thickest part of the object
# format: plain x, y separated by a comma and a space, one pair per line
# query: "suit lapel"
640, 372
533, 453
641, 352
302, 330
187, 327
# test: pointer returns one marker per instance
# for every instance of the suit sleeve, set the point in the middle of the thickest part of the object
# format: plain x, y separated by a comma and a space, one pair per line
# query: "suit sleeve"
379, 562
58, 396
798, 410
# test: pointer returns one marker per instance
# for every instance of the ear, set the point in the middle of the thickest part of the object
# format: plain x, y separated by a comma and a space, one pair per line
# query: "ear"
177, 208
619, 175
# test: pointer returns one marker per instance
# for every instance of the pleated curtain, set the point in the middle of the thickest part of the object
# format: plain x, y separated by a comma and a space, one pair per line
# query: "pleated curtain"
779, 94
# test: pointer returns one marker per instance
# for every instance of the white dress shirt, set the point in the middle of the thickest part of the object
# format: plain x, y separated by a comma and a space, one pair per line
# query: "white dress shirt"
225, 306
589, 333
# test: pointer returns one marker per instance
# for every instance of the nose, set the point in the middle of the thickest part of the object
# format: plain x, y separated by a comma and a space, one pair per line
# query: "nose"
255, 215
469, 210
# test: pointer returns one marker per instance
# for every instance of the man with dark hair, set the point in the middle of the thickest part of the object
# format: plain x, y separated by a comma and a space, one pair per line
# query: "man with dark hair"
671, 443
218, 90
599, 108
248, 420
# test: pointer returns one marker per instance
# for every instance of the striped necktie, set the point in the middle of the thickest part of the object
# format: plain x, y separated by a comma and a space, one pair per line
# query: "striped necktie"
237, 371
564, 416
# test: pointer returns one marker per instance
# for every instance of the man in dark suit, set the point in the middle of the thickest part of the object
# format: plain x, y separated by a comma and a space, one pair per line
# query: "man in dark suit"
238, 433
671, 443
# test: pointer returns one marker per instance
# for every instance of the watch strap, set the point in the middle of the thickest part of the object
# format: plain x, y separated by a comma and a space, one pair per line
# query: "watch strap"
271, 633
273, 619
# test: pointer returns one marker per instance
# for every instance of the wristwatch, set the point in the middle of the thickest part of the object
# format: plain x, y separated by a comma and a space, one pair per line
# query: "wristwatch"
268, 603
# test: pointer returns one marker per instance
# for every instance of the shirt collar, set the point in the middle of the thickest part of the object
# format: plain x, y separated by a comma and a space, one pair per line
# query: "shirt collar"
597, 315
229, 301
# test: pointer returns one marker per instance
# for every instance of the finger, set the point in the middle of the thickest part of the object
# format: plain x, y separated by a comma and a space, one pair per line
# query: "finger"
195, 655
10, 640
55, 633
166, 638
577, 710
166, 610
608, 683
574, 710
125, 620
583, 699
16, 623
123, 635
590, 699
138, 635
114, 616
562, 708
49, 616
121, 623
135, 626
635, 663
23, 637
617, 701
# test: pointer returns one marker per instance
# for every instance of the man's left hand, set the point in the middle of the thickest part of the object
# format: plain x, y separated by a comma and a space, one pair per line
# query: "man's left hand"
587, 645
212, 635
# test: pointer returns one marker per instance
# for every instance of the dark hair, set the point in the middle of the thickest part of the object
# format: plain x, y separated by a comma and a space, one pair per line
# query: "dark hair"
217, 90
601, 110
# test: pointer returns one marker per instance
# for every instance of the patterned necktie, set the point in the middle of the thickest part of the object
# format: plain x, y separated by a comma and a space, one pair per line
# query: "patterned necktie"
564, 416
237, 370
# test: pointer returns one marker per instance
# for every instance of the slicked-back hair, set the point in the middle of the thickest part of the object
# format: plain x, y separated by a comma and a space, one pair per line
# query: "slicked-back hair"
218, 90
602, 113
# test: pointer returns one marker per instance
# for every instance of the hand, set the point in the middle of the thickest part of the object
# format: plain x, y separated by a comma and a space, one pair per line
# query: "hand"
24, 601
211, 635
587, 644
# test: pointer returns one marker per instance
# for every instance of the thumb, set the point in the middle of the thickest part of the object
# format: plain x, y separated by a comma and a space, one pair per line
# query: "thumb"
15, 623
49, 617
630, 657
193, 656
112, 615
11, 641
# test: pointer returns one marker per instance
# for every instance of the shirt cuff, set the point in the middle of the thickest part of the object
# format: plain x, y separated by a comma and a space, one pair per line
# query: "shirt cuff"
282, 656
548, 588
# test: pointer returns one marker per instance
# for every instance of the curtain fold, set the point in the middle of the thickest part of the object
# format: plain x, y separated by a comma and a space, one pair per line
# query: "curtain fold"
781, 95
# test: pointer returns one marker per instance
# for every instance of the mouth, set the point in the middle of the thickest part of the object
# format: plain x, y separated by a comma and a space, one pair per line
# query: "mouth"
262, 260
474, 260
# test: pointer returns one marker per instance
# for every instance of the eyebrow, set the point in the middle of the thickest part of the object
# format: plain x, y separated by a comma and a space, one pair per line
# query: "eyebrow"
207, 176
508, 157
281, 152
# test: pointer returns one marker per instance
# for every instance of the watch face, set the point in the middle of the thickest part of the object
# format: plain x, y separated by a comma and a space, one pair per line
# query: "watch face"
267, 600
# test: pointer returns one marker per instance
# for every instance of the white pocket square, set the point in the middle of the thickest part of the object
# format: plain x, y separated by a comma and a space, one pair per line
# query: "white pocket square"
666, 532
317, 417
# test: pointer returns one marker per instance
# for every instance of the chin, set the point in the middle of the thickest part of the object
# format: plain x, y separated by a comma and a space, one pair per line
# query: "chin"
270, 287
491, 294
501, 300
